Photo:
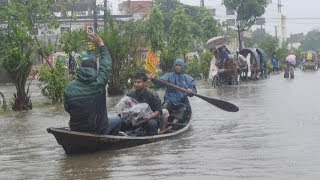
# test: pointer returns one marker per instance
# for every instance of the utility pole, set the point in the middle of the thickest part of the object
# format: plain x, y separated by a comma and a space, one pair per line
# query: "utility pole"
279, 6
239, 35
95, 16
202, 3
105, 13
291, 43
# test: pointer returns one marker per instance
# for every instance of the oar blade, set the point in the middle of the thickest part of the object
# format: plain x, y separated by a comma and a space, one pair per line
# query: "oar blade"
220, 104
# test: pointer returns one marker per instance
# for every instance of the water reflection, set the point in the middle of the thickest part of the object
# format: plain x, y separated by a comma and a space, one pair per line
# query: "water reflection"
86, 166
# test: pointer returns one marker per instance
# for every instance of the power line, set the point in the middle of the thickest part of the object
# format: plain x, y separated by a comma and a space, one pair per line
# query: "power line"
295, 18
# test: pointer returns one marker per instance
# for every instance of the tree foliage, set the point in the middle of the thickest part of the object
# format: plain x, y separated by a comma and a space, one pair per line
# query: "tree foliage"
247, 11
209, 25
270, 45
19, 42
74, 40
167, 8
53, 82
180, 33
178, 39
155, 29
282, 52
259, 36
199, 68
311, 41
124, 41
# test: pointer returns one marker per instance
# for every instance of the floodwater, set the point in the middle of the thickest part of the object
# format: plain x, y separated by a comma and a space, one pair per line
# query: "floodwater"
275, 135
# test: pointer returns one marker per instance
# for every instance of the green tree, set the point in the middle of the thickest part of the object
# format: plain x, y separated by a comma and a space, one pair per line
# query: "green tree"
167, 8
180, 33
193, 68
259, 36
19, 43
202, 24
311, 41
167, 58
247, 13
282, 52
73, 40
205, 64
123, 40
210, 27
53, 82
269, 45
248, 42
155, 29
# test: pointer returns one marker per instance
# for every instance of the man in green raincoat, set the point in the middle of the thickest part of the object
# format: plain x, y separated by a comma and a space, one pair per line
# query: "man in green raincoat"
85, 96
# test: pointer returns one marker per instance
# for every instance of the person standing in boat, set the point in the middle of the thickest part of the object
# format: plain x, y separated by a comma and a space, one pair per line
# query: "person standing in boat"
175, 101
85, 96
142, 94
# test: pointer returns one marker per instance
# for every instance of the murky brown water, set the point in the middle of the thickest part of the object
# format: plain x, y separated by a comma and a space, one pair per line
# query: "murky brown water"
275, 135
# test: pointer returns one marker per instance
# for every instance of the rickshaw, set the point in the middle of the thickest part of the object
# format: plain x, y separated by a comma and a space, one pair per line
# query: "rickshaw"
289, 65
250, 63
264, 73
310, 61
222, 74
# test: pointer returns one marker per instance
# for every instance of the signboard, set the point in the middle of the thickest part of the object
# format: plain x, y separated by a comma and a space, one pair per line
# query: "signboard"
151, 62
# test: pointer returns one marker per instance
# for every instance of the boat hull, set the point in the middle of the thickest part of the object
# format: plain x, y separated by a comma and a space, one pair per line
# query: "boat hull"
78, 142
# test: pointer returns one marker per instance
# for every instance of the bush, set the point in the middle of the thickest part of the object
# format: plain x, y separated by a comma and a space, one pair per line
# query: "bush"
193, 68
205, 64
269, 66
53, 82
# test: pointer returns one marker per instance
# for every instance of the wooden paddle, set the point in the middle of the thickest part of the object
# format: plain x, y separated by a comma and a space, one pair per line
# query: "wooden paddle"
216, 102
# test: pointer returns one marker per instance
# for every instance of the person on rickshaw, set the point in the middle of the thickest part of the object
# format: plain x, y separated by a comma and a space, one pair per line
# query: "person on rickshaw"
262, 63
242, 65
223, 57
288, 69
231, 71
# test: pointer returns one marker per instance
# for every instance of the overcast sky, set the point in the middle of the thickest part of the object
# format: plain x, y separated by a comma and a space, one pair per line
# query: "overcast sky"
302, 9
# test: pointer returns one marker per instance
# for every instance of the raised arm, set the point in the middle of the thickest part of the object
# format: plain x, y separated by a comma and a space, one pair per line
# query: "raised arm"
105, 61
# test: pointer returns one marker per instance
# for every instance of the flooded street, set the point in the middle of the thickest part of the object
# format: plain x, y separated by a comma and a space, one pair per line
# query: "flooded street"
275, 135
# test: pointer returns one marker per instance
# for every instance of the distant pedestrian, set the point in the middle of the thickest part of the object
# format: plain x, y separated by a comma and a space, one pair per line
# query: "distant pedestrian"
275, 62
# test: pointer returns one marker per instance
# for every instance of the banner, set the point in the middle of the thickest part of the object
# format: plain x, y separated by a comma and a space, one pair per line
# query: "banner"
152, 61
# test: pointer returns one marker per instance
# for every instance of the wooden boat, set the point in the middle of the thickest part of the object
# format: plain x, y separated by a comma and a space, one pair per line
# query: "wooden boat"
79, 142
